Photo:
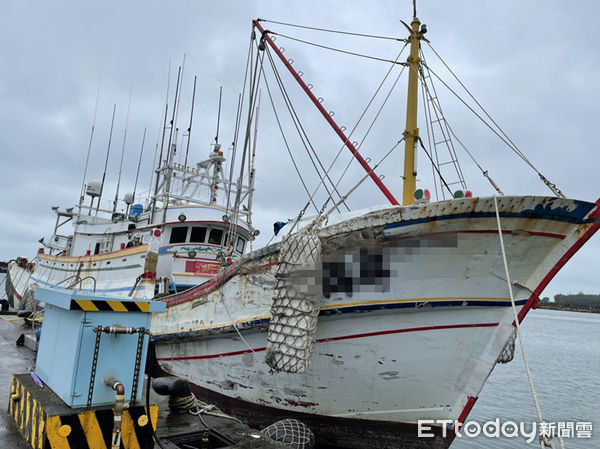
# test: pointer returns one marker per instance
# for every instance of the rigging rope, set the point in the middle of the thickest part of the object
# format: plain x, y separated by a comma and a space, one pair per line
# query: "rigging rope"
431, 103
255, 76
502, 135
288, 147
301, 132
435, 166
333, 31
544, 439
376, 115
363, 115
249, 59
360, 55
451, 131
321, 217
221, 288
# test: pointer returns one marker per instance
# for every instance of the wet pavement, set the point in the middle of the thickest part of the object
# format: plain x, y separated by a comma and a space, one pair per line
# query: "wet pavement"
13, 360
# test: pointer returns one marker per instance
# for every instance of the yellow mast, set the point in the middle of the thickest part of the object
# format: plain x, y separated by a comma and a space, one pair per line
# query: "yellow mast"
411, 133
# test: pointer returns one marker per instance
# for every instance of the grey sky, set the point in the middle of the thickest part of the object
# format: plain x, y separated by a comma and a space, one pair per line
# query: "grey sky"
532, 64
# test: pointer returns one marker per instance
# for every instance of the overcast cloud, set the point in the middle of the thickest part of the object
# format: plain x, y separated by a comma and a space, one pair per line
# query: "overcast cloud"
534, 65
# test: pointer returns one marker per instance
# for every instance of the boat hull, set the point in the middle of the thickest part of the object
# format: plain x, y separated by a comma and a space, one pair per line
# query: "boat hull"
415, 336
112, 273
17, 279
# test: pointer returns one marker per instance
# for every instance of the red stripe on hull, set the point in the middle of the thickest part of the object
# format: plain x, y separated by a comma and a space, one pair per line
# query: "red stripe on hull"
206, 287
343, 337
535, 296
481, 231
468, 407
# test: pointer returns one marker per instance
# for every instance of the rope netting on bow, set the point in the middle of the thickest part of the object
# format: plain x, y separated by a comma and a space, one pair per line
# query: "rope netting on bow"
296, 303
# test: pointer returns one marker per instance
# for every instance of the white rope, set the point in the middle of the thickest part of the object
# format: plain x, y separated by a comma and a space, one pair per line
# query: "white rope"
230, 318
544, 440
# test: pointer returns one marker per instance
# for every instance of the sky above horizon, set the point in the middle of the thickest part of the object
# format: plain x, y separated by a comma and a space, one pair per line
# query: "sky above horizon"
533, 65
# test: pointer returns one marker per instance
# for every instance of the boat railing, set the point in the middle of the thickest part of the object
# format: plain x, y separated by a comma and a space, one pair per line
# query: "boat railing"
79, 281
68, 279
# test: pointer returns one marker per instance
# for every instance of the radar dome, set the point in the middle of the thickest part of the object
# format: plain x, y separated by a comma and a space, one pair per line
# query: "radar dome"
93, 188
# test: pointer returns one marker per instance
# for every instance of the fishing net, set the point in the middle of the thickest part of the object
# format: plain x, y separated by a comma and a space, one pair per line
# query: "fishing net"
508, 352
292, 433
296, 303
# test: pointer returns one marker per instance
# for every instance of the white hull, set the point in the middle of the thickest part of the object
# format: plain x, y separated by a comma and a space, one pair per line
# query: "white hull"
18, 278
419, 345
111, 273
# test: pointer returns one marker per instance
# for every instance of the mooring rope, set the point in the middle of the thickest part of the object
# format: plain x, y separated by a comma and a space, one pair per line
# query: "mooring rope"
544, 439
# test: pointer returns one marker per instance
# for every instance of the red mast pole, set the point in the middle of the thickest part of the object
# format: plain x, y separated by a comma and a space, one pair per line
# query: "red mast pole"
327, 117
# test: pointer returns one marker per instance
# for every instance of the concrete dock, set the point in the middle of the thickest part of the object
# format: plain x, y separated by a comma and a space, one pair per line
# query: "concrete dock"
13, 359
174, 430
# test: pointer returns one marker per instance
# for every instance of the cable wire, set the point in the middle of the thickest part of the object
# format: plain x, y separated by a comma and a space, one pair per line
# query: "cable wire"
367, 107
302, 133
500, 133
333, 31
287, 145
360, 55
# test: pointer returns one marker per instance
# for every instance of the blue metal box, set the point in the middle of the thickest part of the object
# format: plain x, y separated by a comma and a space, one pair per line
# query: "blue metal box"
66, 347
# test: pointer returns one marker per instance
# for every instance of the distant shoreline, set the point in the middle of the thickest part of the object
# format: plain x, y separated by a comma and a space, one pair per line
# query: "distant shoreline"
569, 308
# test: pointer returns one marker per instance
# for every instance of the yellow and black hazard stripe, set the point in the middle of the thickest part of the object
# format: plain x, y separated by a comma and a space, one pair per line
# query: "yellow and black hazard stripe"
90, 429
88, 305
28, 414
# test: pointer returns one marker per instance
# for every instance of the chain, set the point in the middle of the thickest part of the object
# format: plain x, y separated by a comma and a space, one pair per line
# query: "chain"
98, 332
138, 362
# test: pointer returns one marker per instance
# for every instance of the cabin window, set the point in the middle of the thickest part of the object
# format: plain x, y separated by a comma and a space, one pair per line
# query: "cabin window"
198, 234
239, 247
216, 236
178, 234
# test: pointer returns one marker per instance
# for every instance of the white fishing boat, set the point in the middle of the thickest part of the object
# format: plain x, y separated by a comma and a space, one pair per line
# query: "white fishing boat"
362, 323
177, 239
358, 323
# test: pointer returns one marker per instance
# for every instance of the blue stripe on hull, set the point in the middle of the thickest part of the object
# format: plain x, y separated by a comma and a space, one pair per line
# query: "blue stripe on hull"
558, 214
88, 290
339, 310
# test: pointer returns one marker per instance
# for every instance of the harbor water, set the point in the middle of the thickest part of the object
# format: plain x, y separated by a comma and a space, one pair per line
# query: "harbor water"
563, 349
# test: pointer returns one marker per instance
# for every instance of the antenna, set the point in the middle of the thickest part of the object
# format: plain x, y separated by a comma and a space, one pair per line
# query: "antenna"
219, 114
251, 165
189, 130
177, 102
137, 175
123, 149
107, 154
162, 143
87, 159
170, 153
233, 146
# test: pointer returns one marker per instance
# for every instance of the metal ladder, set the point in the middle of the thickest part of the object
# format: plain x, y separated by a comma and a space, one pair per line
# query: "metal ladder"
439, 137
